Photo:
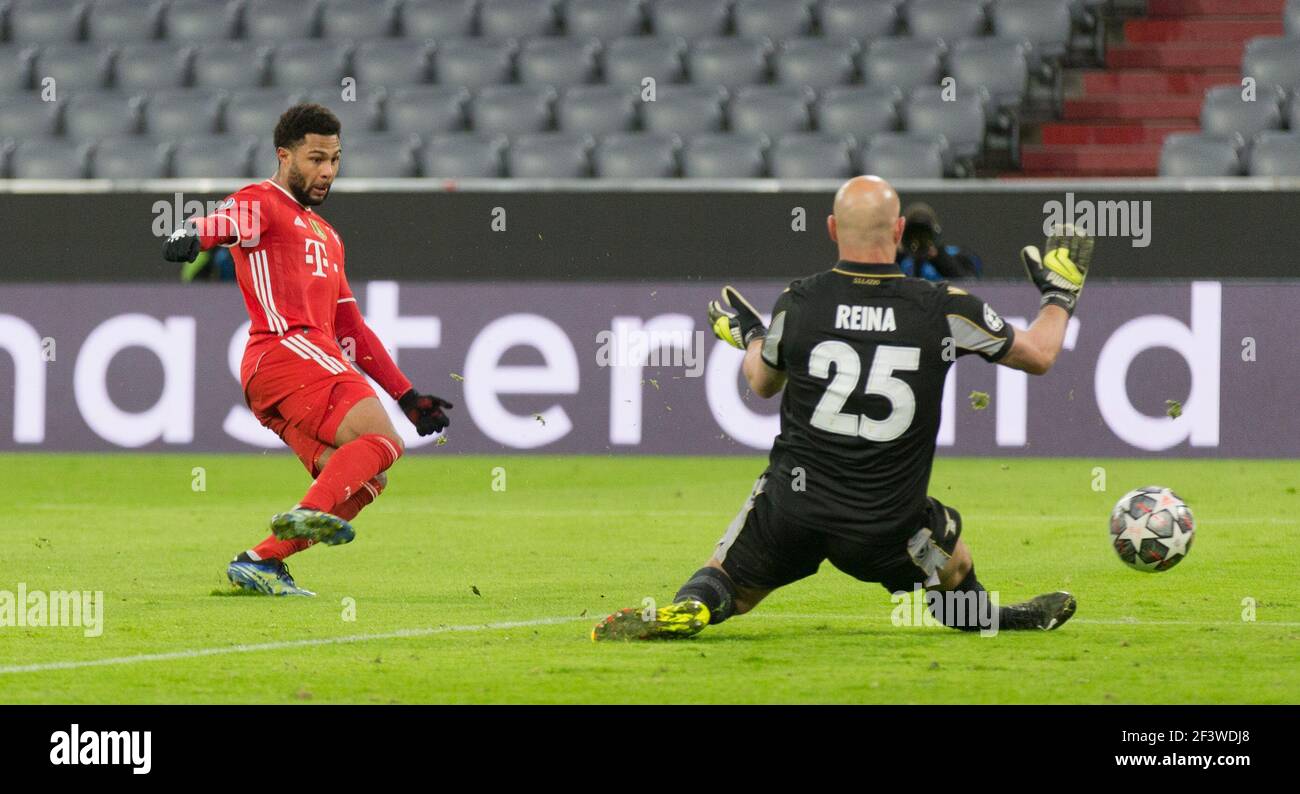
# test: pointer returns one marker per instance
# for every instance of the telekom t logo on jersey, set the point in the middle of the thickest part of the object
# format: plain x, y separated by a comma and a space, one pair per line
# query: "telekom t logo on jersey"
316, 256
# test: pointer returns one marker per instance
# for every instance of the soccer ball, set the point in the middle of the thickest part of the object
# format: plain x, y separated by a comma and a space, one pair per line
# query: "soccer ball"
1151, 529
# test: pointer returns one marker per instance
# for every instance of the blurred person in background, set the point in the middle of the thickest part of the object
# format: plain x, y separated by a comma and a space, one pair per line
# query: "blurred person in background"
923, 254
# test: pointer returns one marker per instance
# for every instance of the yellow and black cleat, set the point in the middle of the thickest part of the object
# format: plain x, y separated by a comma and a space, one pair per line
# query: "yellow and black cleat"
675, 621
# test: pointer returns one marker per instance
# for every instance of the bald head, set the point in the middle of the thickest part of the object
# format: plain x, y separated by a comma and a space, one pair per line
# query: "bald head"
866, 222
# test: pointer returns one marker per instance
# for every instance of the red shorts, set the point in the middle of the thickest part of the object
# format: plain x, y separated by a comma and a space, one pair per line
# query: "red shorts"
302, 380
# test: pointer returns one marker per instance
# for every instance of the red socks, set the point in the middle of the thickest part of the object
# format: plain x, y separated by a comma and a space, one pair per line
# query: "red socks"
272, 549
370, 491
348, 471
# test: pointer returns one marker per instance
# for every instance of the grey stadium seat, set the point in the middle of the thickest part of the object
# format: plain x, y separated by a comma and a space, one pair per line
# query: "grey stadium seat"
1188, 155
392, 62
860, 19
631, 60
95, 115
597, 109
255, 112
15, 67
1276, 154
152, 65
816, 62
950, 20
426, 109
511, 109
728, 61
905, 63
307, 63
378, 156
501, 19
685, 110
638, 155
201, 20
124, 20
861, 111
1043, 23
214, 156
281, 20
771, 110
463, 156
438, 19
999, 66
894, 155
179, 113
74, 67
1291, 17
556, 155
558, 61
24, 115
358, 19
359, 115
724, 156
1272, 62
130, 158
46, 21
1224, 112
813, 156
778, 19
960, 120
49, 159
689, 19
473, 63
229, 64
604, 19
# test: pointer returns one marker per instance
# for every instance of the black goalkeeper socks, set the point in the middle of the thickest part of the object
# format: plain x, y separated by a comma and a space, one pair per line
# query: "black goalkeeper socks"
967, 607
714, 589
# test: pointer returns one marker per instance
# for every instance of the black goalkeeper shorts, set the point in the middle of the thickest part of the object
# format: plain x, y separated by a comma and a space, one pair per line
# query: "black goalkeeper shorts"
765, 549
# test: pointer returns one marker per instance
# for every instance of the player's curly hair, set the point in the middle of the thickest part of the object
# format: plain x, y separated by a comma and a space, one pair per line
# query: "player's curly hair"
303, 119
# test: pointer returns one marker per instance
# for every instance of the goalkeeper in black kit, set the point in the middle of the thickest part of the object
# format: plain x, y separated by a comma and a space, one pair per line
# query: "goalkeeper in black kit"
859, 353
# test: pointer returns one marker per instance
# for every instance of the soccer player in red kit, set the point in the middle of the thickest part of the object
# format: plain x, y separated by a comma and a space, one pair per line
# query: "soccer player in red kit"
296, 378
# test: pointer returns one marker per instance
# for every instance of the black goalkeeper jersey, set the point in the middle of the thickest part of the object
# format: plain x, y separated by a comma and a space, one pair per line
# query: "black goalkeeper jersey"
866, 351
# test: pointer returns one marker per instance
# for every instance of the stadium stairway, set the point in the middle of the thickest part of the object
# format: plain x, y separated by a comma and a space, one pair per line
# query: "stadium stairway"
1157, 70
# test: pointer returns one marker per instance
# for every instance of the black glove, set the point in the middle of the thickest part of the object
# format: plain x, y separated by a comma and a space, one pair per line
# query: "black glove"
1059, 274
425, 412
738, 329
181, 246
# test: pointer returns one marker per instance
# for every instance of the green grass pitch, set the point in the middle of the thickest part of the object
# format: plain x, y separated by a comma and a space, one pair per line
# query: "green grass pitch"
465, 594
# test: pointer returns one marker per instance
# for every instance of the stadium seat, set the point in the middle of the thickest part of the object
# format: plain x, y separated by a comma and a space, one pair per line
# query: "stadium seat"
426, 109
776, 19
558, 61
152, 65
501, 19
230, 64
1291, 18
130, 158
724, 156
554, 155
74, 67
1273, 62
378, 156
473, 63
690, 19
1045, 24
1188, 155
437, 19
729, 61
392, 62
360, 114
816, 63
904, 63
685, 110
1225, 112
860, 111
604, 19
358, 19
255, 112
597, 109
864, 20
95, 115
307, 63
638, 155
201, 20
120, 21
49, 159
894, 155
46, 21
24, 116
999, 66
464, 156
15, 68
281, 20
813, 156
511, 109
181, 113
959, 119
770, 110
214, 157
1276, 154
631, 60
950, 20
